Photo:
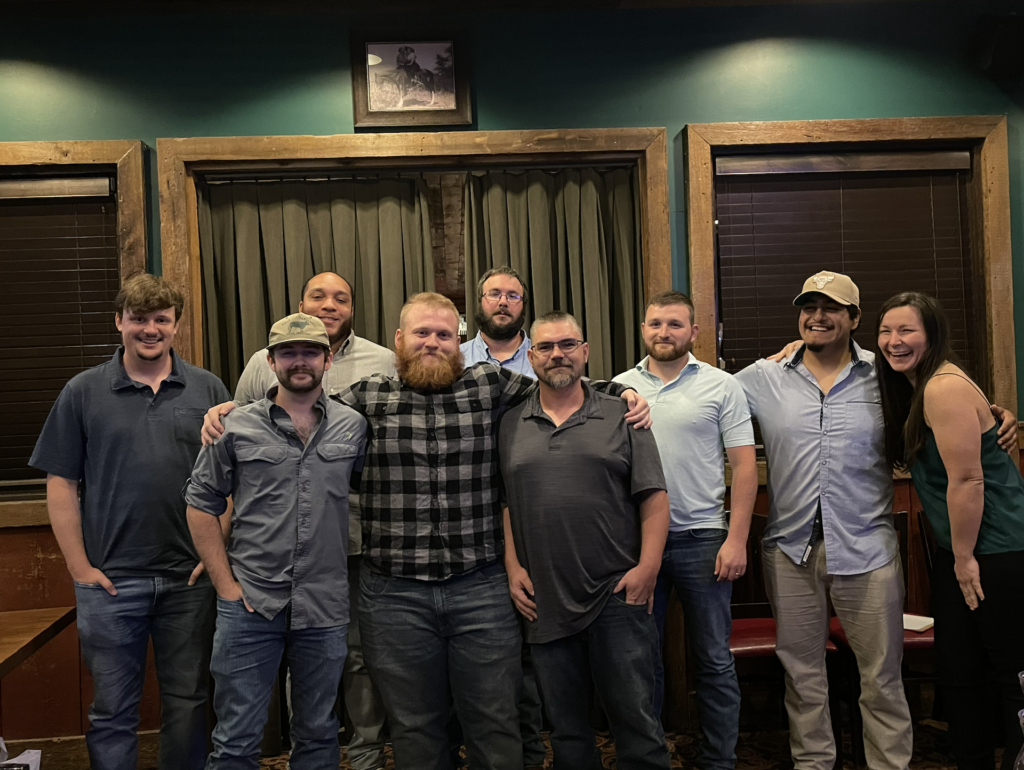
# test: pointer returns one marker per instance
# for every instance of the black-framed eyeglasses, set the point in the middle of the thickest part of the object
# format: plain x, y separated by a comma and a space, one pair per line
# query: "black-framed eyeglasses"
494, 295
566, 346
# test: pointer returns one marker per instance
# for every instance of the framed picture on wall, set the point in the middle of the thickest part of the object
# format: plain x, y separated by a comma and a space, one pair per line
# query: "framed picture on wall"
410, 80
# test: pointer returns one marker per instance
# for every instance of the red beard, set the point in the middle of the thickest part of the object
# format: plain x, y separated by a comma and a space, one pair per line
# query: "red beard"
441, 373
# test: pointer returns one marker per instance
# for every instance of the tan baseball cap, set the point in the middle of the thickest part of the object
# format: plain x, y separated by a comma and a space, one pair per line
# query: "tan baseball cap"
299, 327
833, 285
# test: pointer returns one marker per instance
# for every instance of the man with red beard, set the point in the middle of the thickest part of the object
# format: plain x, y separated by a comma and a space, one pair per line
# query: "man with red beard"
437, 622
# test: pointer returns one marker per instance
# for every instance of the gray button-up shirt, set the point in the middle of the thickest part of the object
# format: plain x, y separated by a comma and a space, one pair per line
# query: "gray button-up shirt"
828, 448
355, 359
289, 530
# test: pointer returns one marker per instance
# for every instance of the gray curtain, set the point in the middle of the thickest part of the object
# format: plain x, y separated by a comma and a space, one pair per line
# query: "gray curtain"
261, 240
575, 236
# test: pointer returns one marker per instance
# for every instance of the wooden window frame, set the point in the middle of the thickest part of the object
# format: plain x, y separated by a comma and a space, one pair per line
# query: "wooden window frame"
125, 159
988, 201
179, 160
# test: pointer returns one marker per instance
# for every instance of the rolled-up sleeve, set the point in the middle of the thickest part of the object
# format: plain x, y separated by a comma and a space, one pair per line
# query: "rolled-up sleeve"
213, 478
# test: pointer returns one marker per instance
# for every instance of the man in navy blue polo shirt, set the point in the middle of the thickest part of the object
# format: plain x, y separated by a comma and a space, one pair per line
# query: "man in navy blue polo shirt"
125, 434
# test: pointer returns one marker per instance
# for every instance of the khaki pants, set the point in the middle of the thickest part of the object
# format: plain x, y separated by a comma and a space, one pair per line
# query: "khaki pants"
870, 607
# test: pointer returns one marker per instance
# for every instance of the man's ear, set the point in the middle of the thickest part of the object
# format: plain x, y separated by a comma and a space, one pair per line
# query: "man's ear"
695, 331
328, 360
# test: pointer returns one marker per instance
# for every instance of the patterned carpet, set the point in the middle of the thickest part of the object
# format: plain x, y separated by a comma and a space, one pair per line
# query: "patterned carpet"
765, 750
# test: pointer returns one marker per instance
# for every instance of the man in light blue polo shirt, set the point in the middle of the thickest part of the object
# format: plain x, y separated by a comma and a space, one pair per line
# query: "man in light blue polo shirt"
698, 410
501, 294
830, 532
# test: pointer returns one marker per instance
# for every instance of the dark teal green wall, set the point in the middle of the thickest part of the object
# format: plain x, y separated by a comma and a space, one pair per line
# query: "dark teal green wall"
105, 76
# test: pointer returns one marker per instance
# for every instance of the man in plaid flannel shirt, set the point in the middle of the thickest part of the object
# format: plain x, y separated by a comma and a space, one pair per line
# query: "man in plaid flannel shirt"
436, 618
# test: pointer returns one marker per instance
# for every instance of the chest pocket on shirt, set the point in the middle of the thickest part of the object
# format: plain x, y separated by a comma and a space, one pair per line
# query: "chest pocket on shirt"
474, 419
188, 421
864, 423
384, 416
259, 476
332, 452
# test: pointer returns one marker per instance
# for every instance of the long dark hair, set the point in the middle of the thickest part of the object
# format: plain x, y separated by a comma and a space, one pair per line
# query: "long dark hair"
902, 402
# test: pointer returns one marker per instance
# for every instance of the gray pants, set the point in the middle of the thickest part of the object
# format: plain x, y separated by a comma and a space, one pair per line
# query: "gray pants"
870, 607
365, 709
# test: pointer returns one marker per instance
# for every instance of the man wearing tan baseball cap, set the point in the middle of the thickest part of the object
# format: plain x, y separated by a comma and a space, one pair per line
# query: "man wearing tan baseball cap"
830, 532
282, 583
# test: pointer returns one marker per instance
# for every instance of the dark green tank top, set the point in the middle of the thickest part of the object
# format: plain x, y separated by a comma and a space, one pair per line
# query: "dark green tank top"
1002, 521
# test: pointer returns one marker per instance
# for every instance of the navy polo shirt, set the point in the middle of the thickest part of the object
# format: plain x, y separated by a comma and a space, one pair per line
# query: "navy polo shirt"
132, 451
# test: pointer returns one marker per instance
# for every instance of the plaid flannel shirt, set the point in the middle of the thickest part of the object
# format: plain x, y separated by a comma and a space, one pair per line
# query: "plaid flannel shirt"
429, 493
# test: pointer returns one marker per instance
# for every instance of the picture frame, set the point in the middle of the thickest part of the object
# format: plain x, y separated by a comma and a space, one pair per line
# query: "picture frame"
413, 79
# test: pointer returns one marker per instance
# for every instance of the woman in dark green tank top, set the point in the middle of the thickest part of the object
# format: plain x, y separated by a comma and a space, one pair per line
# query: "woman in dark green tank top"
938, 425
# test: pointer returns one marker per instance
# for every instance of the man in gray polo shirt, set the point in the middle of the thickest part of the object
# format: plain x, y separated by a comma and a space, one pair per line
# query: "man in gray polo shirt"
330, 298
282, 585
126, 434
585, 520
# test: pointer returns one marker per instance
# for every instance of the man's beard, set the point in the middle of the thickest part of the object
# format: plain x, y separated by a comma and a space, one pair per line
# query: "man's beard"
664, 356
815, 347
285, 379
563, 378
496, 331
445, 370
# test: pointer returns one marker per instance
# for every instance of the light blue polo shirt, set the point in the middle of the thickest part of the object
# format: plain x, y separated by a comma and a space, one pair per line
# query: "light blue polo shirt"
475, 351
696, 416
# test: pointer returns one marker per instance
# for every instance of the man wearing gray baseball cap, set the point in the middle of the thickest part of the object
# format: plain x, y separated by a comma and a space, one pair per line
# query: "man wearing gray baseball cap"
830, 532
282, 582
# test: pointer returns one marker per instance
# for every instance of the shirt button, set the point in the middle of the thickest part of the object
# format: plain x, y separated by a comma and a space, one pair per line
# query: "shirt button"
824, 462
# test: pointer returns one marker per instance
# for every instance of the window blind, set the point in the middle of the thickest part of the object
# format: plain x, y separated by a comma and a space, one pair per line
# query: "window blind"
889, 232
59, 266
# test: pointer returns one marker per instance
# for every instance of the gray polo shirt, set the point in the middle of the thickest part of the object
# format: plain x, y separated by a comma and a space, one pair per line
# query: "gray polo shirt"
355, 359
572, 493
289, 529
131, 450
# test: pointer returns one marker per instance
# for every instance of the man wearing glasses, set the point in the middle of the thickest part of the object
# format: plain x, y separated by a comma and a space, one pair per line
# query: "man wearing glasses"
586, 517
501, 341
499, 316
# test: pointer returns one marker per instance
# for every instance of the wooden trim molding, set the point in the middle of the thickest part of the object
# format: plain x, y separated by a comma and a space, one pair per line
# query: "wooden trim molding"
125, 159
179, 160
988, 192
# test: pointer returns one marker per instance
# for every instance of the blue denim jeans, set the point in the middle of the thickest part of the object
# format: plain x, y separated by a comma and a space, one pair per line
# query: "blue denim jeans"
428, 643
688, 564
115, 632
247, 651
617, 653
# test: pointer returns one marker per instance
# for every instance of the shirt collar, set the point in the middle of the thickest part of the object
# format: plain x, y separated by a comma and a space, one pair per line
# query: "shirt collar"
346, 346
269, 404
856, 356
589, 410
645, 369
119, 379
483, 353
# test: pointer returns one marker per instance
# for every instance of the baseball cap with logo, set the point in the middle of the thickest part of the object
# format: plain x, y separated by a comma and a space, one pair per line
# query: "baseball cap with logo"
299, 327
833, 285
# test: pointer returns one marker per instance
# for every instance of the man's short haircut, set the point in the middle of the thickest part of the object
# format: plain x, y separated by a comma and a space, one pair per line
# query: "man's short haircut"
672, 297
554, 317
428, 299
144, 293
503, 270
351, 291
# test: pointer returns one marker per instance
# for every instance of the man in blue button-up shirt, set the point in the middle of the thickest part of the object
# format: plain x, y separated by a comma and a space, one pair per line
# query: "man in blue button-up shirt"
830, 530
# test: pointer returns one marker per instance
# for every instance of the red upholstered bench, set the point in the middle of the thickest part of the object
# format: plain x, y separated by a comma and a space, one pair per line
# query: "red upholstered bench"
755, 638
